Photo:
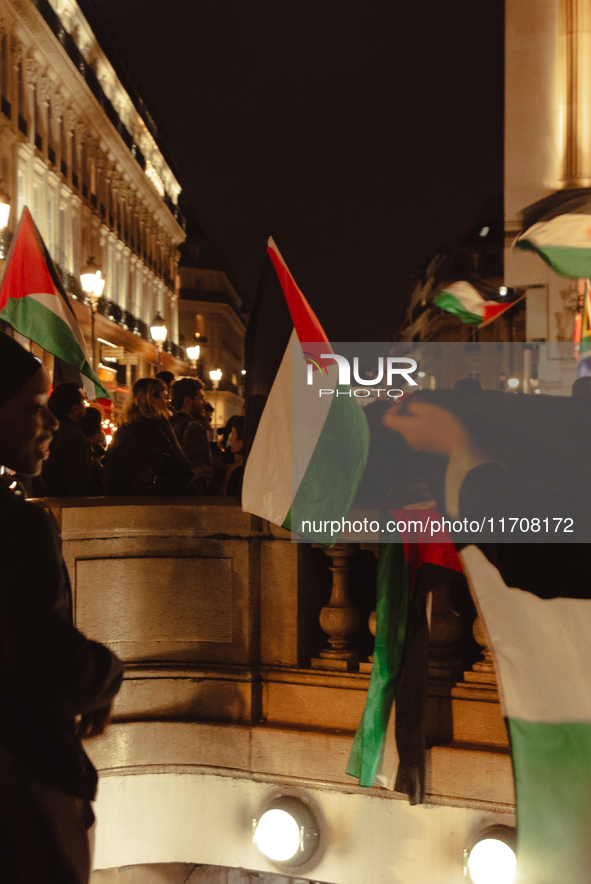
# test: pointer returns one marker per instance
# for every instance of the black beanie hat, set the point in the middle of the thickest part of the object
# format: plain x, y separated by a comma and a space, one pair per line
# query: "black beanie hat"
17, 366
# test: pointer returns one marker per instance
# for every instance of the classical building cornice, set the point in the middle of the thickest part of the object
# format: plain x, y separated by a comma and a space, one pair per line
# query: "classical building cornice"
61, 65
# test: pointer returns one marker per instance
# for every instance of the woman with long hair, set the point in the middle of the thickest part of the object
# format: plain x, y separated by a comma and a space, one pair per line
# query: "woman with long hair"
144, 457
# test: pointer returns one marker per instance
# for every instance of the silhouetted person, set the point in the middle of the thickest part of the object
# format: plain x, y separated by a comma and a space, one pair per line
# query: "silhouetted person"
50, 674
191, 428
468, 386
69, 470
145, 457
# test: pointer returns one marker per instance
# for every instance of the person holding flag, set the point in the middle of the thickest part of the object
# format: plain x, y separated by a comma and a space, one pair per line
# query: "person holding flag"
535, 602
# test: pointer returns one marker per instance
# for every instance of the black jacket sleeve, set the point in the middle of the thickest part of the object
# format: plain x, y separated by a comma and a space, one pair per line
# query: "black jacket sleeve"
45, 662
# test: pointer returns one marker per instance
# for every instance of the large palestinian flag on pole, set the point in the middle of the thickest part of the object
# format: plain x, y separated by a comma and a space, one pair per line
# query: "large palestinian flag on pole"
33, 301
314, 478
540, 633
469, 303
558, 229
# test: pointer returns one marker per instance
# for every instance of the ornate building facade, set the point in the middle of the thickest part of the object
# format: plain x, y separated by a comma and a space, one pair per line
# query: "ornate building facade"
80, 151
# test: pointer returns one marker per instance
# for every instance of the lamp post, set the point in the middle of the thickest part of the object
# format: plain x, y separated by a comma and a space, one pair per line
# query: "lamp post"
193, 356
215, 376
158, 331
92, 285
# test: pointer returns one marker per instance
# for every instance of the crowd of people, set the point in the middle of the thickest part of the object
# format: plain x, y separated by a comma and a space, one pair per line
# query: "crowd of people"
162, 446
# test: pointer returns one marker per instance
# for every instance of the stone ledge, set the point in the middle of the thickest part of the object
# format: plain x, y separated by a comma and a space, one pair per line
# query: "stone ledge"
458, 774
471, 773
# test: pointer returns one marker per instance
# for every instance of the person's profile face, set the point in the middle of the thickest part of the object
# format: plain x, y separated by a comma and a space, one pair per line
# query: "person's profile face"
27, 426
161, 402
236, 443
197, 405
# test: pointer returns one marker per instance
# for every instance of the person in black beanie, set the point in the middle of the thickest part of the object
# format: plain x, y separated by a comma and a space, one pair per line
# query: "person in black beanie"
56, 686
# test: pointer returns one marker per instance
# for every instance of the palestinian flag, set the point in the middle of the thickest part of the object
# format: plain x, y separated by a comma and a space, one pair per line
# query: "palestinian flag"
397, 691
558, 229
306, 454
468, 304
33, 301
536, 607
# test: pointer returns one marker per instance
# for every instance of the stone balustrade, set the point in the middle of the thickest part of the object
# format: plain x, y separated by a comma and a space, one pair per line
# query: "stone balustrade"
243, 650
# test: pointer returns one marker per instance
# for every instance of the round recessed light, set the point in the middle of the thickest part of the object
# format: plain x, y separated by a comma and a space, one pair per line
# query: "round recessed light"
286, 832
492, 858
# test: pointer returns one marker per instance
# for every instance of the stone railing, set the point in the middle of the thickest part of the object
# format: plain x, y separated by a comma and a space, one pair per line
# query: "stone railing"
247, 652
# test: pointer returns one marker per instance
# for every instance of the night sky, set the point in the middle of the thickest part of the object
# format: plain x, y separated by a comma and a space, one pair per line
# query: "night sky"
360, 134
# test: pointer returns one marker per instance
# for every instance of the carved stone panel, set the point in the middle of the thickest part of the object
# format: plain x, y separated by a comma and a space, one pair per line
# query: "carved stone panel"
155, 608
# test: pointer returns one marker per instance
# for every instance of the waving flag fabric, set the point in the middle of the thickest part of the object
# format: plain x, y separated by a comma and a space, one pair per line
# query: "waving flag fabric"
468, 304
407, 572
34, 303
315, 479
558, 229
542, 651
583, 334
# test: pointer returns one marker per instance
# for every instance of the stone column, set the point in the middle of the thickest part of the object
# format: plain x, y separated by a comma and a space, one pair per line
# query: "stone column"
575, 70
340, 619
32, 72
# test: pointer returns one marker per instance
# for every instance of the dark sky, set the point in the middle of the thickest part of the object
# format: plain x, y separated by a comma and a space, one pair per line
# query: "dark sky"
360, 134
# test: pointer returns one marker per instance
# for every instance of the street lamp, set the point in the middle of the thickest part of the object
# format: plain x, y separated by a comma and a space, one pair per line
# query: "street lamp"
193, 356
92, 285
159, 332
215, 376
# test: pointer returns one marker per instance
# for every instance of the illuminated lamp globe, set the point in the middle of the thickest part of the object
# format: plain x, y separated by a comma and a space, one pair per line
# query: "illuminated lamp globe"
158, 329
193, 353
492, 859
90, 279
215, 375
513, 383
286, 832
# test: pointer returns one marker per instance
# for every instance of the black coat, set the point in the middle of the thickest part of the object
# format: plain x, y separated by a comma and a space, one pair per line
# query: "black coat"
49, 671
70, 470
145, 458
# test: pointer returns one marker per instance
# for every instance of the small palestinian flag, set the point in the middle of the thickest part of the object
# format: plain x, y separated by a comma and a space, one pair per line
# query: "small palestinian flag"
315, 478
33, 301
558, 229
468, 304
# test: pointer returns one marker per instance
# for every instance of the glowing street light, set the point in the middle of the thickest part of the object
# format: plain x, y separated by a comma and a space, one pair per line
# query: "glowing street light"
159, 332
215, 376
193, 355
92, 285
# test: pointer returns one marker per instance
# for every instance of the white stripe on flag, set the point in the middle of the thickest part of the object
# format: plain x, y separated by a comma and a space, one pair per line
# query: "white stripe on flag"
542, 647
266, 490
570, 231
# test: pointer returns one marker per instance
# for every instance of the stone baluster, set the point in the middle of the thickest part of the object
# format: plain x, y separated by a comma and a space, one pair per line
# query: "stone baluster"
445, 631
340, 619
366, 665
483, 671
